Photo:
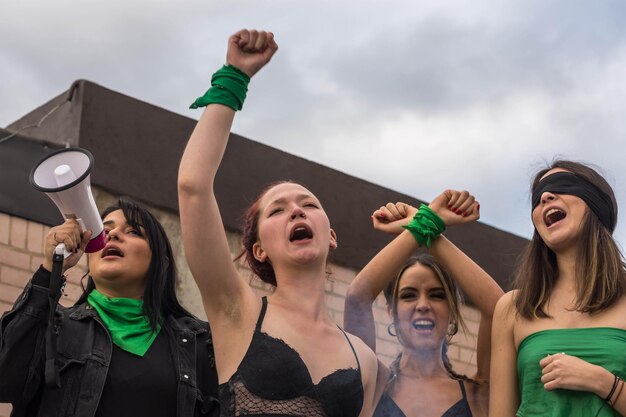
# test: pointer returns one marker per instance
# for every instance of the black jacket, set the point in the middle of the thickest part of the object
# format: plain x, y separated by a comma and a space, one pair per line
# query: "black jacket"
84, 352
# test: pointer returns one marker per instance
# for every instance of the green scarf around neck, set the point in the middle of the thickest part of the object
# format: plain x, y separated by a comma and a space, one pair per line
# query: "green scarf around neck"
124, 318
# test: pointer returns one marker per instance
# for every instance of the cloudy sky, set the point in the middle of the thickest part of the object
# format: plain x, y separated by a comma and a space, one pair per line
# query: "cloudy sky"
416, 96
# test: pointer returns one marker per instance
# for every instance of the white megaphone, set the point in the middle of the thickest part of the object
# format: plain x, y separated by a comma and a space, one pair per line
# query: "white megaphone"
64, 177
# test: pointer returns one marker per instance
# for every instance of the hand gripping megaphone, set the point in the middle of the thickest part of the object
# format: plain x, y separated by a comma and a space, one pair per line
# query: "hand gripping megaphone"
64, 177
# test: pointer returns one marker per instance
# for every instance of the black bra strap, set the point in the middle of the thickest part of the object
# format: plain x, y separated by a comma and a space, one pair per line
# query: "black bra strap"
259, 322
463, 389
358, 364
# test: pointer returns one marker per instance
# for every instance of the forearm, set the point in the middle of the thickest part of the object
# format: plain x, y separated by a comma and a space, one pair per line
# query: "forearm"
479, 286
379, 272
248, 51
601, 384
370, 282
204, 150
358, 319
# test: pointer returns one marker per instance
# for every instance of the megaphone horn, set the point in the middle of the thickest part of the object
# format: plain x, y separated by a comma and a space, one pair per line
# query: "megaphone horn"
64, 177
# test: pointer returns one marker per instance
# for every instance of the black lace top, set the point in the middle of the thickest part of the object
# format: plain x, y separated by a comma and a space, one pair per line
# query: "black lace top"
272, 380
388, 408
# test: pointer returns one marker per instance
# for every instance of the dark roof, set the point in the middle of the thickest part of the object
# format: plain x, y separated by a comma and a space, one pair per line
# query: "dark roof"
137, 149
17, 156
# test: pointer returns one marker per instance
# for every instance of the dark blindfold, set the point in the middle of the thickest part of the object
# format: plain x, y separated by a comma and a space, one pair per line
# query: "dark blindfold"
568, 183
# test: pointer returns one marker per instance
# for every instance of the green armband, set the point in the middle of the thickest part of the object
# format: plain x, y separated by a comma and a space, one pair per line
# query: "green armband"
229, 86
426, 226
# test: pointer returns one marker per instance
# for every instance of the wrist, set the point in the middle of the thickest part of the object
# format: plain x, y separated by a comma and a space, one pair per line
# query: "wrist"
434, 208
245, 74
41, 277
426, 226
602, 384
229, 86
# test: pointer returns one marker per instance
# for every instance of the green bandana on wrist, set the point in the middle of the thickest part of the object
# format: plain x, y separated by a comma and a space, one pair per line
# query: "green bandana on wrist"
426, 226
123, 317
229, 86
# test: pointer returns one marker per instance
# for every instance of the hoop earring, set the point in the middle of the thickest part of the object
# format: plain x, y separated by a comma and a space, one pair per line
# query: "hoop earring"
452, 329
391, 329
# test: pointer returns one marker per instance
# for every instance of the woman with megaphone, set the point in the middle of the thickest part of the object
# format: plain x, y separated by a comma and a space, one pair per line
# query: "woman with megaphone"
127, 347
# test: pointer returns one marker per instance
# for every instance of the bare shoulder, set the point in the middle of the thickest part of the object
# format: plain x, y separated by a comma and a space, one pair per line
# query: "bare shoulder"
614, 316
504, 322
365, 354
367, 360
505, 307
620, 304
369, 374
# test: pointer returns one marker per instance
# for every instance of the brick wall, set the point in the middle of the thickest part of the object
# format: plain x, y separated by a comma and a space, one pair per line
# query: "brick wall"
21, 253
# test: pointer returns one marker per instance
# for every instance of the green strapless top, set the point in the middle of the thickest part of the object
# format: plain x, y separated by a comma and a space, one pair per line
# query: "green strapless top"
603, 346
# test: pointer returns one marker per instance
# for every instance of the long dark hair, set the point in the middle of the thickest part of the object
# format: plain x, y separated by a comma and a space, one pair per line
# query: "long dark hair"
600, 268
159, 296
453, 298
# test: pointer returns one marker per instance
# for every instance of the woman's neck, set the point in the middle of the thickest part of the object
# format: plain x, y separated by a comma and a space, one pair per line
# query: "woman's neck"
422, 364
302, 290
566, 264
123, 292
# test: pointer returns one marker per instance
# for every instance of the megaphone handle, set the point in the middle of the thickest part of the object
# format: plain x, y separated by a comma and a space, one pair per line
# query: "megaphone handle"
60, 250
56, 281
54, 293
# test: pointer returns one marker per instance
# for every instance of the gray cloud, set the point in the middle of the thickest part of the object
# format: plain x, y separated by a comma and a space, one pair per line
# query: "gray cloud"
415, 96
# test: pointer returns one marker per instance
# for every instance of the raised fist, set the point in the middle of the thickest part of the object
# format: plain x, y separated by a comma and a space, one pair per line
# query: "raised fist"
250, 50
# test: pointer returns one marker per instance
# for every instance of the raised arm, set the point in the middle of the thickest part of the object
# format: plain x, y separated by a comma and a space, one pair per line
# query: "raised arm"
479, 286
379, 272
372, 280
204, 238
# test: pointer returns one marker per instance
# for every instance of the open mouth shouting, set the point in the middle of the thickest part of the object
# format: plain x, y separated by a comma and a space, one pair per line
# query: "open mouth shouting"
111, 252
423, 325
300, 232
553, 216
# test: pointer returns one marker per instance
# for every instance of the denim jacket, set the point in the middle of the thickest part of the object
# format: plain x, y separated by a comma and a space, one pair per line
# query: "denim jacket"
84, 352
